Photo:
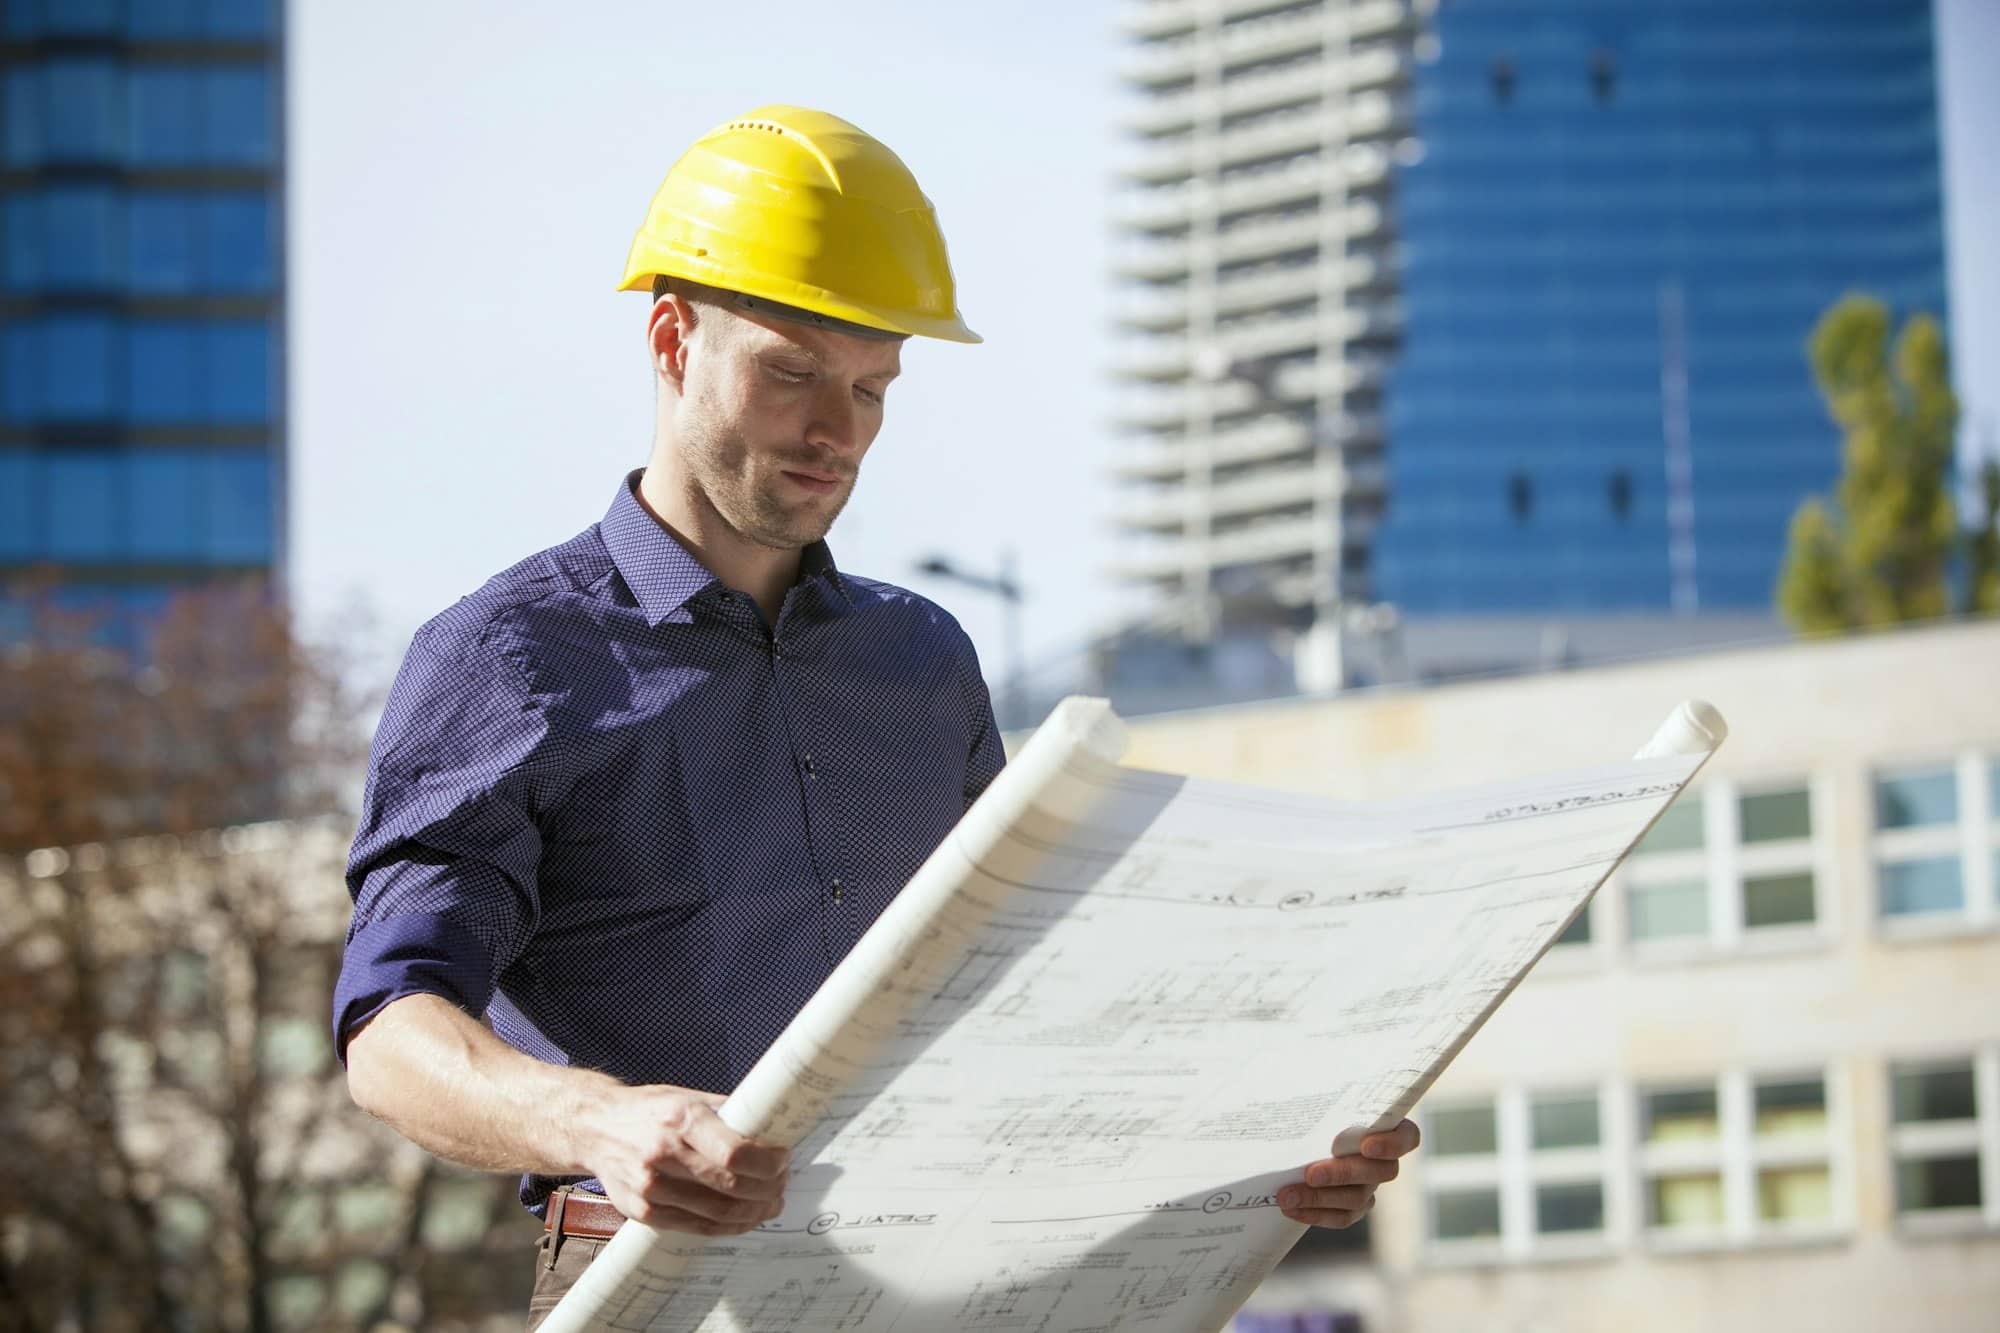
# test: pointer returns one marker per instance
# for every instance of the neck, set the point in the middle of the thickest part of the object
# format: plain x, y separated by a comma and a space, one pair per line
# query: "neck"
764, 572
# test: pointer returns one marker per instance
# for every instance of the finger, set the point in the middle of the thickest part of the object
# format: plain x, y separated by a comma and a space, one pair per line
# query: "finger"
1325, 1217
669, 1218
1393, 1143
1346, 1198
689, 1196
723, 1158
1350, 1171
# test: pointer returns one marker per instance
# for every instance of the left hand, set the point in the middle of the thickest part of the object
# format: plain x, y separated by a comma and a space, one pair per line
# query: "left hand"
1339, 1191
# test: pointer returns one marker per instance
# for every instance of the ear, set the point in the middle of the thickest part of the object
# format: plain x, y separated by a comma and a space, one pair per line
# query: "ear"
669, 327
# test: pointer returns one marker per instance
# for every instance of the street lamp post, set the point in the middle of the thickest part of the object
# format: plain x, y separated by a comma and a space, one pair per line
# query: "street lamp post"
1006, 585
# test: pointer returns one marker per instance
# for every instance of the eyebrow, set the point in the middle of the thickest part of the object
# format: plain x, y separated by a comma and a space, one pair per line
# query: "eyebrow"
819, 362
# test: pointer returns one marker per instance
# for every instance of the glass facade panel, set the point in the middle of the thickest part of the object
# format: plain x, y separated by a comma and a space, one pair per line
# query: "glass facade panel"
81, 490
1778, 900
1570, 1207
1911, 888
80, 241
235, 122
238, 507
1944, 1093
1910, 800
160, 241
1568, 1121
1466, 1214
19, 505
1927, 1183
165, 123
1776, 816
236, 244
1678, 829
166, 383
1795, 1194
1675, 910
84, 100
162, 494
238, 371
1462, 1130
78, 360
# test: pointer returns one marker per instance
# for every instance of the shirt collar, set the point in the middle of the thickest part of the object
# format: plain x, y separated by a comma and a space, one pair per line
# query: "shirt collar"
664, 575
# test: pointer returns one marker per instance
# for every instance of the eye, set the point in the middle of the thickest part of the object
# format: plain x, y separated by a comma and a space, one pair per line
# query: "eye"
790, 376
868, 395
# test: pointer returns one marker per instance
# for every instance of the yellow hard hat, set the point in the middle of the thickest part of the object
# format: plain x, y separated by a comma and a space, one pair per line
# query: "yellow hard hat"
801, 209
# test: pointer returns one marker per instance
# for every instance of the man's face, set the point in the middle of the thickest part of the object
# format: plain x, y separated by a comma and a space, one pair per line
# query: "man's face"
774, 419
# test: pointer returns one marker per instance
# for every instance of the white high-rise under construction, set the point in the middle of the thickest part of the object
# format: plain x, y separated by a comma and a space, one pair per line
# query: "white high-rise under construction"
1257, 307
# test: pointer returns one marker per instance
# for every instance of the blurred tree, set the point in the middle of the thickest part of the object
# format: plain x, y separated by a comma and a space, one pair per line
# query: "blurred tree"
1882, 552
181, 1152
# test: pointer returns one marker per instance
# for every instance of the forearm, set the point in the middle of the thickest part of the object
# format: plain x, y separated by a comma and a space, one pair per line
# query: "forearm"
442, 1080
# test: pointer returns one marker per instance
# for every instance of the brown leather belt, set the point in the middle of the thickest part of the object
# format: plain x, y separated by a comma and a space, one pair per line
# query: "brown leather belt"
574, 1213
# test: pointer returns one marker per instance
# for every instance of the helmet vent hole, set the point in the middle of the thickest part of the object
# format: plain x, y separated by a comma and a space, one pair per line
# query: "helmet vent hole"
763, 125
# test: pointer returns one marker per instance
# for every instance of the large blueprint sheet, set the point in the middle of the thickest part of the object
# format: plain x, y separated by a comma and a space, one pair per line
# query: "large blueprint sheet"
1056, 1087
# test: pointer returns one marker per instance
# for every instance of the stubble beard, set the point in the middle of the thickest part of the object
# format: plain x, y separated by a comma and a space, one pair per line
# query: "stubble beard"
748, 492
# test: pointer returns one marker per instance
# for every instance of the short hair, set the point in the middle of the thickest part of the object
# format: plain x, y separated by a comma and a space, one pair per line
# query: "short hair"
700, 293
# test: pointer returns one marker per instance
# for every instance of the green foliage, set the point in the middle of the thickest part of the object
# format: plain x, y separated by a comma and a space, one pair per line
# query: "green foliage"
1881, 553
1983, 544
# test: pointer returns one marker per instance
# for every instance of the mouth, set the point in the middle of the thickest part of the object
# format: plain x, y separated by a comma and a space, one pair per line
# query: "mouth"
818, 483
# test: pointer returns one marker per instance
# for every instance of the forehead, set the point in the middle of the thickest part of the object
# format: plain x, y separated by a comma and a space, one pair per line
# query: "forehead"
844, 351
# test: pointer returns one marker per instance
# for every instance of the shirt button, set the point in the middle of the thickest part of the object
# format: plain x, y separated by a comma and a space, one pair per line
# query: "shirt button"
811, 772
836, 892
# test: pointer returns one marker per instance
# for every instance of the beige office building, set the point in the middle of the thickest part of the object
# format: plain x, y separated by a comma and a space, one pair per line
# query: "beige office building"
1758, 1085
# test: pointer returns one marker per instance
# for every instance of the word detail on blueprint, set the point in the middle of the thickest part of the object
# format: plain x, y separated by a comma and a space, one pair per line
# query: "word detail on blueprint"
1057, 1087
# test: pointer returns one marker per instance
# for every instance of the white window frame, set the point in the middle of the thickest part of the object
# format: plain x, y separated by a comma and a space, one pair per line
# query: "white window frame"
1514, 1170
1981, 1136
1724, 862
1975, 836
1738, 1154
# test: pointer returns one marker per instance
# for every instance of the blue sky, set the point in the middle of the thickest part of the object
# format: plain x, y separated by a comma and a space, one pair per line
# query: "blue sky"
467, 387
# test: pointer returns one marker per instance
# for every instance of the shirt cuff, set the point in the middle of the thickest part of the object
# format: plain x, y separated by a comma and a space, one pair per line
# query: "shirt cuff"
421, 953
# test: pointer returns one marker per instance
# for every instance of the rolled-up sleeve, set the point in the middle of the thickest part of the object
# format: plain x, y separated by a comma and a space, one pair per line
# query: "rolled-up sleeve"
443, 867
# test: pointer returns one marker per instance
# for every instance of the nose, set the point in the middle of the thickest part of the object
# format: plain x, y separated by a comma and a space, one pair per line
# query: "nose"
836, 421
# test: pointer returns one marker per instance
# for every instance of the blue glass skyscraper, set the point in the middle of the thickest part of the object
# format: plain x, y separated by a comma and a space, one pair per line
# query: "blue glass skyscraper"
142, 439
1627, 217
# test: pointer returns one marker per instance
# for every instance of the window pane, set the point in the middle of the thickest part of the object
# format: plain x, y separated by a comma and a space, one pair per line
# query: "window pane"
77, 361
235, 117
162, 495
21, 391
1907, 800
160, 241
1680, 1115
1664, 911
162, 103
1459, 1130
1934, 1094
72, 18
1577, 931
17, 504
236, 515
1795, 1194
1577, 1207
23, 101
1463, 1214
82, 490
1684, 1201
1678, 829
80, 237
239, 372
1792, 1108
166, 380
1778, 900
21, 220
1938, 1182
1564, 1122
1775, 815
236, 243
1932, 885
164, 18
239, 19
85, 114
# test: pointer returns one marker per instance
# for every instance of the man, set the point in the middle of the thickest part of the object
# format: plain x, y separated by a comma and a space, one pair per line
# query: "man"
634, 798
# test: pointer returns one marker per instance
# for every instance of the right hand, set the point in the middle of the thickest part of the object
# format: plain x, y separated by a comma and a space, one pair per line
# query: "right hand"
667, 1159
